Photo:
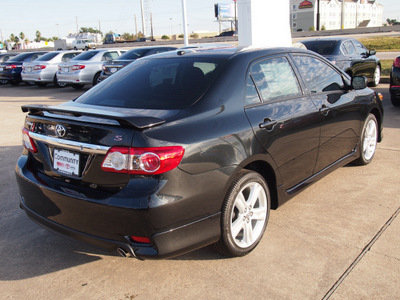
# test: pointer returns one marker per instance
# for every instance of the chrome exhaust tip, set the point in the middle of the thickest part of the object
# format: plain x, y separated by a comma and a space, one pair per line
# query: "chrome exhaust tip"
123, 252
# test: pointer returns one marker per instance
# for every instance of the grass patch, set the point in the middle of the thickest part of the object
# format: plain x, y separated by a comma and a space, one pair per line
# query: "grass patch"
386, 66
384, 43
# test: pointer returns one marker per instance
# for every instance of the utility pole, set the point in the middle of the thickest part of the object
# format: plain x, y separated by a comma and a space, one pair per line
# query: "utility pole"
318, 16
143, 28
151, 27
185, 23
99, 26
135, 25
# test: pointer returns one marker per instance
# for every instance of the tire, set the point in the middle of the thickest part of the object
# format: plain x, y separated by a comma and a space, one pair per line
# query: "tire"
96, 79
3, 81
377, 76
395, 100
245, 214
14, 82
368, 141
58, 84
77, 86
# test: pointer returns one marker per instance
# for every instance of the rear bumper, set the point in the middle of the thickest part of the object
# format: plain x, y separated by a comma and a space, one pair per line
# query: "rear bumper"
108, 223
75, 78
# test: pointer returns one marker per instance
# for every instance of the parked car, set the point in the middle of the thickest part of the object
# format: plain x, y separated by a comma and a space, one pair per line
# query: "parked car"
3, 58
42, 71
227, 33
190, 148
113, 66
12, 68
83, 44
395, 82
349, 55
86, 67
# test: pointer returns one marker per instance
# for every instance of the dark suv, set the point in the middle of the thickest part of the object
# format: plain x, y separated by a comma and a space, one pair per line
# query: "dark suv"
349, 55
193, 147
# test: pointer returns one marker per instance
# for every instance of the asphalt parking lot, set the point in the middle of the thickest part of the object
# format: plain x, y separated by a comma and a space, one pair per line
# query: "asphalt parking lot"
338, 239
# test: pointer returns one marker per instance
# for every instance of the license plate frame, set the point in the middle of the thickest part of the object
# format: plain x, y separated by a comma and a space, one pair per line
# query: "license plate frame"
66, 162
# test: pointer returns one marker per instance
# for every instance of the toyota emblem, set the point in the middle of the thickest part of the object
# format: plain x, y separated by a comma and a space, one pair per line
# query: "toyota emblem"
60, 130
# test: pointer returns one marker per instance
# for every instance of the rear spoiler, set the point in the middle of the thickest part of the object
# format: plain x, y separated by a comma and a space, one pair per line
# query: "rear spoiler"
125, 120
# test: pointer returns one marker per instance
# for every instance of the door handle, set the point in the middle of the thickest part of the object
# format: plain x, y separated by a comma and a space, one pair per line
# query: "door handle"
268, 124
324, 110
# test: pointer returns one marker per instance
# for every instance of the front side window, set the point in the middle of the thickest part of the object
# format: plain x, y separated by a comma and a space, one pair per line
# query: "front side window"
275, 78
360, 48
318, 76
348, 48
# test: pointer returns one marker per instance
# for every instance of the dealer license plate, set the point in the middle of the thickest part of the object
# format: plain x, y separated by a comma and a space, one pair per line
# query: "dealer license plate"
65, 70
66, 162
28, 69
113, 70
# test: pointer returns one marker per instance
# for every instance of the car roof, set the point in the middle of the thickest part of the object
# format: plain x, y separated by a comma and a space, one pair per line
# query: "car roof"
338, 39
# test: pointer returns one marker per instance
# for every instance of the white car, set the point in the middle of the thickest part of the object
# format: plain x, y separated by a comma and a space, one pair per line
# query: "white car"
42, 71
86, 67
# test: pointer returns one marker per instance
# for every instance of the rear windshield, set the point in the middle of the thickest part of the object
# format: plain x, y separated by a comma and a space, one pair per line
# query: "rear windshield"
321, 47
85, 55
134, 54
162, 83
47, 56
20, 57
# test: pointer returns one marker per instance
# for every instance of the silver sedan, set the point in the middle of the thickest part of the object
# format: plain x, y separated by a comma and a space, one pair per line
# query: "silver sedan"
86, 67
42, 71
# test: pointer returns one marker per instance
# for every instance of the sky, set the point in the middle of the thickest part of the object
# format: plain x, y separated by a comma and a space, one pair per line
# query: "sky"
60, 17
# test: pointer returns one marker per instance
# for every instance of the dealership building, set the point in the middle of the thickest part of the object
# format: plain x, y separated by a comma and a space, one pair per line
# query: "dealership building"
335, 14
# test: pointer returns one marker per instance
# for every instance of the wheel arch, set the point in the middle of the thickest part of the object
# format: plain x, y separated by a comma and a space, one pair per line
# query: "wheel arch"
378, 117
269, 175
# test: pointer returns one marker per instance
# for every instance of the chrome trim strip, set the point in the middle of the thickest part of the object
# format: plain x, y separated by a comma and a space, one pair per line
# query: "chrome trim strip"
70, 145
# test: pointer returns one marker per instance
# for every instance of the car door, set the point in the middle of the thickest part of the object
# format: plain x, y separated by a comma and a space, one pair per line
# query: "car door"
340, 115
284, 120
367, 62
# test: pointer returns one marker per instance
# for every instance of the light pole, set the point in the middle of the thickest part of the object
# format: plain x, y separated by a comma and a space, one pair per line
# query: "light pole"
185, 23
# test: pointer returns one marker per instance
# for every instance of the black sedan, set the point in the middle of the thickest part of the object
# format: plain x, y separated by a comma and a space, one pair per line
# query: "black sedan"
190, 148
128, 57
10, 71
395, 82
3, 58
349, 55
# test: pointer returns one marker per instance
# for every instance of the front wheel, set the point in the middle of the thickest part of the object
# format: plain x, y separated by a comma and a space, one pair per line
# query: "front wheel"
377, 76
368, 142
245, 214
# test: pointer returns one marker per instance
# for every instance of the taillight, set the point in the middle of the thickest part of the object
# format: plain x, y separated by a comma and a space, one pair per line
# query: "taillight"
9, 67
27, 141
140, 239
77, 67
396, 62
144, 161
104, 68
39, 67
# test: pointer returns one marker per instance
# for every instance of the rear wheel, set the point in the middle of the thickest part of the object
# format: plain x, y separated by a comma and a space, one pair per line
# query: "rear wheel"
78, 86
245, 214
395, 100
368, 142
96, 79
57, 83
3, 81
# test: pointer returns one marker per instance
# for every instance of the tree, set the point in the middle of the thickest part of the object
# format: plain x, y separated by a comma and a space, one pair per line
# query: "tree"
38, 36
165, 37
89, 30
312, 28
323, 27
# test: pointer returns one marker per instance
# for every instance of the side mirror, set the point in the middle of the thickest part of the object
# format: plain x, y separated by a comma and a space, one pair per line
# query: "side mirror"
371, 52
359, 82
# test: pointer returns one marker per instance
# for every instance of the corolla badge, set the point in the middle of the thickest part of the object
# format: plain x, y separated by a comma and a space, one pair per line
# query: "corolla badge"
60, 130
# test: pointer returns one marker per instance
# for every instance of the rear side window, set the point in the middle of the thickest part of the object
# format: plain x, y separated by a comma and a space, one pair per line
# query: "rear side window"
164, 83
274, 79
318, 76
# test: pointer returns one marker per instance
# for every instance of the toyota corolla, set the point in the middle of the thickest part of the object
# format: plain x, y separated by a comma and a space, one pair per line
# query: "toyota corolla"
193, 147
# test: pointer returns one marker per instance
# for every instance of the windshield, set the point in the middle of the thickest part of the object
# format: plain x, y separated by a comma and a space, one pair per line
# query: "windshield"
47, 56
162, 83
321, 47
85, 55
